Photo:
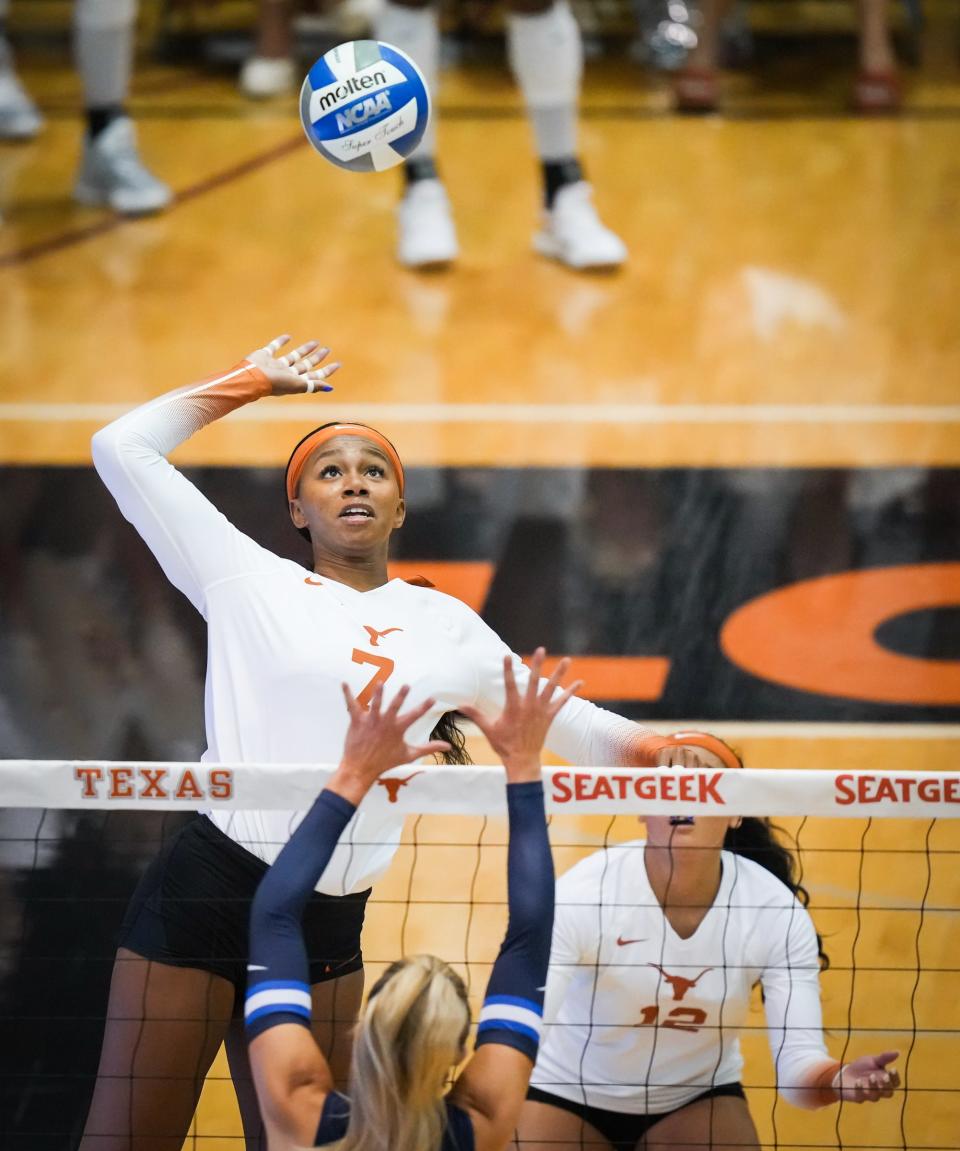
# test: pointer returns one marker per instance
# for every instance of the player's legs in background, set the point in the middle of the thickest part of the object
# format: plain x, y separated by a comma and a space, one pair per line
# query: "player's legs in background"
697, 87
545, 49
270, 70
111, 171
877, 87
19, 117
336, 1004
721, 1123
164, 1026
426, 234
545, 1128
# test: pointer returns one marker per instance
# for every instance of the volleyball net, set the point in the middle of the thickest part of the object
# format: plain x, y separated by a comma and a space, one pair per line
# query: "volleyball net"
877, 851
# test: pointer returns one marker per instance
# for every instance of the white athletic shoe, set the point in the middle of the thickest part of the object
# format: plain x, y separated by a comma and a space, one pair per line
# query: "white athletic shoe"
19, 117
572, 233
427, 237
262, 77
112, 174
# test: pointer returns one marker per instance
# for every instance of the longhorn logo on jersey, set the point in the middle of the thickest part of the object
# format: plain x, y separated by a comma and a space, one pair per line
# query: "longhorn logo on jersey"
679, 984
376, 636
393, 785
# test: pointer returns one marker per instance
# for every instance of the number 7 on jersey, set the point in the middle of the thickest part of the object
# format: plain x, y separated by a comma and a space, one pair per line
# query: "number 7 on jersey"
384, 670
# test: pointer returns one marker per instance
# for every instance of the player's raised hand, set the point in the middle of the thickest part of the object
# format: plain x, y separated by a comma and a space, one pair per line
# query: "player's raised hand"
297, 371
376, 741
517, 734
867, 1079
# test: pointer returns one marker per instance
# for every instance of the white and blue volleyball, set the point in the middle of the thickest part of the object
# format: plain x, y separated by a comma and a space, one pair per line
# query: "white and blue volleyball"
364, 106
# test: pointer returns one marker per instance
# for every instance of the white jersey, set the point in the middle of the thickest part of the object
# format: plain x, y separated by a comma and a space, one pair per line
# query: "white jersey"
642, 1021
281, 639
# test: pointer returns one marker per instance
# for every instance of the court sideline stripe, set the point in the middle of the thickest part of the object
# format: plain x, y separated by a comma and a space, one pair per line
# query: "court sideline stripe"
580, 414
110, 223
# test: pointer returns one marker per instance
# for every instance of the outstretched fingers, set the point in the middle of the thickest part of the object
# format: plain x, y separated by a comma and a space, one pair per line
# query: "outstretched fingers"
533, 683
476, 716
376, 699
306, 357
397, 702
559, 674
277, 343
559, 703
509, 682
415, 713
305, 360
353, 707
299, 353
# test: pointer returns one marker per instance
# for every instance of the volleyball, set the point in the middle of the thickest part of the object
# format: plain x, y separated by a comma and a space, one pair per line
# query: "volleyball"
364, 106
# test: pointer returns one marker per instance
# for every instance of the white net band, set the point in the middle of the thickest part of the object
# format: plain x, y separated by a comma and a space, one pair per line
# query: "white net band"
479, 790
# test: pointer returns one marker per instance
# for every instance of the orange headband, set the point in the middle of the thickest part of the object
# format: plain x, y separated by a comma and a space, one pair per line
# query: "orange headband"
698, 739
309, 445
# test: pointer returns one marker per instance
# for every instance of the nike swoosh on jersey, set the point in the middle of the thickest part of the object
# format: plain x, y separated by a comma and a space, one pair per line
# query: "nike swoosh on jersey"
621, 942
256, 967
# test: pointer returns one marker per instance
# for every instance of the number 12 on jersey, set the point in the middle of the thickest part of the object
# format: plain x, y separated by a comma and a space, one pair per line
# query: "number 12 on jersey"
680, 1018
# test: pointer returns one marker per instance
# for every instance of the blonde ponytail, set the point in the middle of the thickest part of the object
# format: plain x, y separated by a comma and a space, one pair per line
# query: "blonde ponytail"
408, 1038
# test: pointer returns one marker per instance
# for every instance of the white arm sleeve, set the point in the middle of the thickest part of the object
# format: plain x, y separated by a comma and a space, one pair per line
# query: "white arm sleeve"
791, 986
581, 734
194, 543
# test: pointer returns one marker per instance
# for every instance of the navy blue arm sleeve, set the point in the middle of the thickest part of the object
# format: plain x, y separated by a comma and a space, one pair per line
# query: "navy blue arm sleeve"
512, 1011
278, 988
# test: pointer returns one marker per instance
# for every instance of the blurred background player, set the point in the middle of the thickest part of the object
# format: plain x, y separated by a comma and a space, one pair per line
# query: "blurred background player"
876, 88
111, 173
545, 50
271, 70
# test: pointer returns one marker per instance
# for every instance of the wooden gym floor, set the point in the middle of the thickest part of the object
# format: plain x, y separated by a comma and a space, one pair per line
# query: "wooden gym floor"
790, 300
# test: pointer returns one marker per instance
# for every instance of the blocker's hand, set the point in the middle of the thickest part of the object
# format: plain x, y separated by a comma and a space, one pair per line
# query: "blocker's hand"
297, 371
517, 734
867, 1079
376, 741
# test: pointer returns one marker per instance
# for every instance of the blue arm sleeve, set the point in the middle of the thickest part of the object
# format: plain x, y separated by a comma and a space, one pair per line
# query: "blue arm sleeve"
512, 1011
278, 988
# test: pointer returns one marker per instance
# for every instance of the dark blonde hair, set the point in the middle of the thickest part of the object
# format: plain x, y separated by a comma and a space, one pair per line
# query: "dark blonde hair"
409, 1037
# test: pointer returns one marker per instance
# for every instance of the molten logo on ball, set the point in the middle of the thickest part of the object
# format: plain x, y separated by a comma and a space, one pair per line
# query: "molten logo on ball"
330, 97
381, 128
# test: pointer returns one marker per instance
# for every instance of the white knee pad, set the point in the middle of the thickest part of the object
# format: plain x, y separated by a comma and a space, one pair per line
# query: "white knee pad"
95, 14
546, 55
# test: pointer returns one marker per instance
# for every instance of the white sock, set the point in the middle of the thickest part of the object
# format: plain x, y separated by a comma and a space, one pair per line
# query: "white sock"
415, 31
546, 55
103, 42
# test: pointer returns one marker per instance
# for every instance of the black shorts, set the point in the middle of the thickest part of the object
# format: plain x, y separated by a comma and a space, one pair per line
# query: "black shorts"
192, 909
624, 1131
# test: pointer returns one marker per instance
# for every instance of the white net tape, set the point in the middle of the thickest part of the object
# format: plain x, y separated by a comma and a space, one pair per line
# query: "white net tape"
479, 790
